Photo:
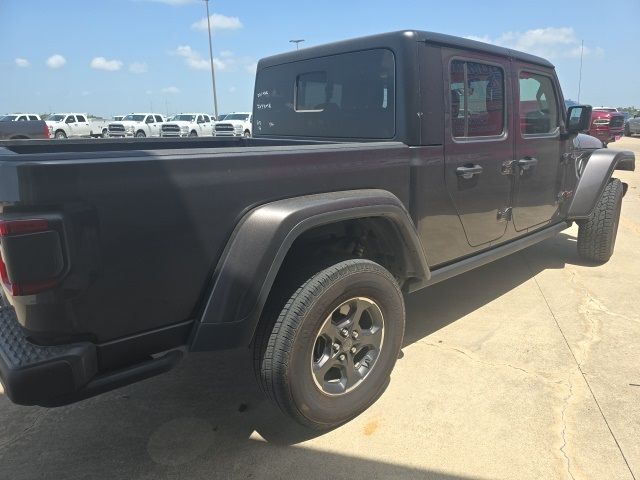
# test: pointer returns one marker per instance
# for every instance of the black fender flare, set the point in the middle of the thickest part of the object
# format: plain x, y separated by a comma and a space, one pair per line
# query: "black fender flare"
257, 247
594, 178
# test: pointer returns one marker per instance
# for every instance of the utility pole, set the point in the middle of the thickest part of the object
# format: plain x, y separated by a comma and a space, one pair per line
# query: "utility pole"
297, 42
213, 75
580, 76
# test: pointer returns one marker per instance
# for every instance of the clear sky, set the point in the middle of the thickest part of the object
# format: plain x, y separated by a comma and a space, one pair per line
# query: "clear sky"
112, 57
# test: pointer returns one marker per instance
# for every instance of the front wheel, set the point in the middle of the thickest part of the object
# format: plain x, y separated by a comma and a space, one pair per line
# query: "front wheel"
193, 133
140, 134
247, 134
330, 352
597, 234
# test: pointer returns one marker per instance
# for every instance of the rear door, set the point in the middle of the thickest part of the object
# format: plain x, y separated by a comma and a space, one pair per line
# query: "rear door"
478, 143
539, 147
84, 128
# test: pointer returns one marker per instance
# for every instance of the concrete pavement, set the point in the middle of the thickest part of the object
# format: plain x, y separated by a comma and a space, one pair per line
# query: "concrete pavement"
527, 368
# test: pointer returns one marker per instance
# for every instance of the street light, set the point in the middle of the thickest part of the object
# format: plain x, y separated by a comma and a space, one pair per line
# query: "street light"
297, 41
213, 75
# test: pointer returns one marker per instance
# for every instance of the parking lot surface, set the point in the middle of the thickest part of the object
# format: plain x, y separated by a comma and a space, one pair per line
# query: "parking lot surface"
527, 368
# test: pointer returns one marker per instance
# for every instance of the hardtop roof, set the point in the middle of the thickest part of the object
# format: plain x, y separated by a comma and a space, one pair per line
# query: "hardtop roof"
395, 40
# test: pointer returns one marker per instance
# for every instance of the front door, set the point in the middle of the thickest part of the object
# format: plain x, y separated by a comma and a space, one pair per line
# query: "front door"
538, 147
477, 143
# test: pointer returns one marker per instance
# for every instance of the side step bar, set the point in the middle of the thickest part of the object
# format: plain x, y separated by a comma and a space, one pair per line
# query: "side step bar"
480, 259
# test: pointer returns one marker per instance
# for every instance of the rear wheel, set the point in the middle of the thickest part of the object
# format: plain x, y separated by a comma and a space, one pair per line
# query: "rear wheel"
60, 134
140, 134
329, 353
597, 234
105, 133
247, 134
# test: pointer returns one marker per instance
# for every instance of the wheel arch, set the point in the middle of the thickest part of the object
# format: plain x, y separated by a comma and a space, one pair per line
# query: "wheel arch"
265, 235
594, 178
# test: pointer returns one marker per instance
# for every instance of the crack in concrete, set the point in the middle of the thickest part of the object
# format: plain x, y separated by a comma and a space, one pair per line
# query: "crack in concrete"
563, 433
491, 364
13, 439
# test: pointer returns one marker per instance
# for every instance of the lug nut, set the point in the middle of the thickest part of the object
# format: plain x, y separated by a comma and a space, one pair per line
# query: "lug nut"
344, 332
353, 350
354, 334
342, 357
336, 347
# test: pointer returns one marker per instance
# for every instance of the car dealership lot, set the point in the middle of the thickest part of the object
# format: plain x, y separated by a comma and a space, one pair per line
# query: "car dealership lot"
524, 369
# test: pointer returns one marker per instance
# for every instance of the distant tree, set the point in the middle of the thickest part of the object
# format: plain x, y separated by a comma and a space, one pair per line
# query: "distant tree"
632, 110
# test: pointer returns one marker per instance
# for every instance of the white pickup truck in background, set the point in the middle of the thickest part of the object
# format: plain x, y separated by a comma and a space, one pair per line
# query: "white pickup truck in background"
236, 124
20, 117
188, 125
68, 125
137, 125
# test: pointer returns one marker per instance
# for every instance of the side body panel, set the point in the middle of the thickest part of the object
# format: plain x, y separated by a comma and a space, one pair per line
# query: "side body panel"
145, 228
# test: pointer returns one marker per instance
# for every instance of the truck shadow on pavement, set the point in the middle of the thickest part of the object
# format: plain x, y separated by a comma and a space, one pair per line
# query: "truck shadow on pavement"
208, 419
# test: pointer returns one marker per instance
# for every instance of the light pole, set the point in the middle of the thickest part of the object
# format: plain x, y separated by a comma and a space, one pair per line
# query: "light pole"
297, 42
213, 75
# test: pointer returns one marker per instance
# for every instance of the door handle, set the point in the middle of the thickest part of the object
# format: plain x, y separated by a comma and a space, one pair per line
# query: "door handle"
527, 163
468, 171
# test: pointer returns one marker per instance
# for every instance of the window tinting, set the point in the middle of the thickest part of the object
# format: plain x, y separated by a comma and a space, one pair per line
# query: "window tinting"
350, 95
477, 99
158, 118
70, 119
538, 104
33, 117
81, 118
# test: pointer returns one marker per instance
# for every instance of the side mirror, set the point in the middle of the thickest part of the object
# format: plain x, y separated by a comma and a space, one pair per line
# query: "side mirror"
579, 118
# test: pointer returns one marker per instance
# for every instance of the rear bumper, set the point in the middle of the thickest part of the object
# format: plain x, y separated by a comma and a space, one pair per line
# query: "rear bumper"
58, 375
34, 375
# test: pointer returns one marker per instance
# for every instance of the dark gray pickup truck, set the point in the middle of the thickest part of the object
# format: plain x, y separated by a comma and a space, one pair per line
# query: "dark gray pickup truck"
379, 166
23, 130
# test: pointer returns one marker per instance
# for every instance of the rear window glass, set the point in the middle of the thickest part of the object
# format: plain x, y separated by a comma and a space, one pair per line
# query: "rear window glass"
350, 95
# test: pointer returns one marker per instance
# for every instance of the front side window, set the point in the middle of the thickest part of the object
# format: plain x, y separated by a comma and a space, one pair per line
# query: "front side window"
70, 119
538, 104
477, 99
150, 119
22, 118
158, 118
207, 119
33, 117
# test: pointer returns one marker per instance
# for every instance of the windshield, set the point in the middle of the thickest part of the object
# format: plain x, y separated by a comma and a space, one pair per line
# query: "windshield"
134, 118
184, 118
8, 118
237, 116
56, 118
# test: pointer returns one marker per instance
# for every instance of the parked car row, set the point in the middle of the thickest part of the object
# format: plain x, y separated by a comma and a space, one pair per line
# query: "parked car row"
138, 125
141, 125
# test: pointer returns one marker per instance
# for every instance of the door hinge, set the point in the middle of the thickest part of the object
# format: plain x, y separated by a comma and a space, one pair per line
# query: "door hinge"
505, 214
564, 196
508, 167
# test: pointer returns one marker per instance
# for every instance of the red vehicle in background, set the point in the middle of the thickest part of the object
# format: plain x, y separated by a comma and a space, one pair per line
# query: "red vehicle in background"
607, 124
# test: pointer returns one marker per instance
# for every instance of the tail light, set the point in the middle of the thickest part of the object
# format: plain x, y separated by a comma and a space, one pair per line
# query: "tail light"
31, 258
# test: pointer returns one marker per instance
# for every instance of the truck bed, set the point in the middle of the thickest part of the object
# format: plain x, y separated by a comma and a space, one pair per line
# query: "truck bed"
146, 221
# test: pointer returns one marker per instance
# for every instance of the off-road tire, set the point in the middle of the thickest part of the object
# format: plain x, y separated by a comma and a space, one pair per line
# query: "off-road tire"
284, 343
597, 234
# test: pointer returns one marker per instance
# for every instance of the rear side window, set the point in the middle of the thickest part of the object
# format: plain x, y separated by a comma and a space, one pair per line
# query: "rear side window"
33, 117
477, 99
349, 95
538, 104
81, 118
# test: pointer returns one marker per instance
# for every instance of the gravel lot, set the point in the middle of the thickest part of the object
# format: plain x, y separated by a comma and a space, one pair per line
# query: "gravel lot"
527, 368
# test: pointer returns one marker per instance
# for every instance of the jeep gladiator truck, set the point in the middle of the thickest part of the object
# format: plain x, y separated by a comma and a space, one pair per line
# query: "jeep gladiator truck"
378, 166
